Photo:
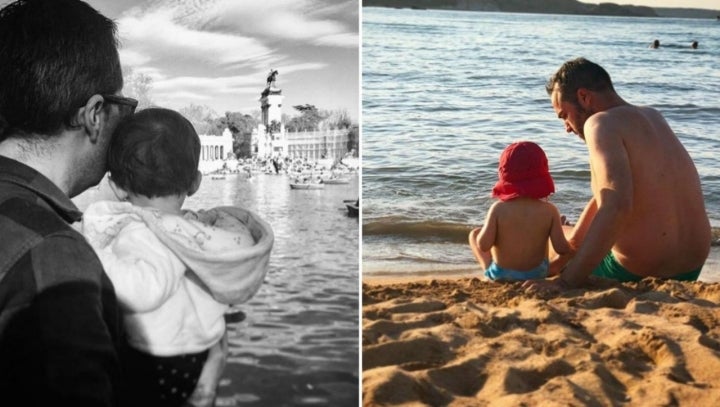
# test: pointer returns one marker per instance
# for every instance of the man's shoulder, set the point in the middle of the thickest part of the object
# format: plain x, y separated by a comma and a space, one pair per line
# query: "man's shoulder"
25, 215
620, 115
35, 237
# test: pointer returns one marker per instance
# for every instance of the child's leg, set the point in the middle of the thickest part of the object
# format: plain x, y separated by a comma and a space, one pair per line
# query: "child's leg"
206, 389
484, 258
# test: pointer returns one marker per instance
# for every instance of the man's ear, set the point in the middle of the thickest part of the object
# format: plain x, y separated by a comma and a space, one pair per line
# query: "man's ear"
120, 193
583, 96
196, 184
90, 117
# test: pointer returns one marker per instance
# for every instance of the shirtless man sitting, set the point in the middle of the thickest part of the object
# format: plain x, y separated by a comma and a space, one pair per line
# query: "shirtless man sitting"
647, 214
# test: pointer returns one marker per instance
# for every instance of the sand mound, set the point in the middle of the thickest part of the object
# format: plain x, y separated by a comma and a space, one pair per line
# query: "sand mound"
475, 343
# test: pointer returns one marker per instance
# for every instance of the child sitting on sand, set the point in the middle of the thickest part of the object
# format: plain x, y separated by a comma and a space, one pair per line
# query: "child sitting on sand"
175, 272
513, 242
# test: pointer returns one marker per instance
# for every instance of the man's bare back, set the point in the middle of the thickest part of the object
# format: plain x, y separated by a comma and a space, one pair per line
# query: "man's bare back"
667, 231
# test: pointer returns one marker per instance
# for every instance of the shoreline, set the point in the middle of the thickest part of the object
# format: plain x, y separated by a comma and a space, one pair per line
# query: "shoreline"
709, 274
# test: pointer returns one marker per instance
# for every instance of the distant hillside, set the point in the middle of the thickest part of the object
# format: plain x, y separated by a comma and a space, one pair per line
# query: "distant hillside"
687, 12
545, 6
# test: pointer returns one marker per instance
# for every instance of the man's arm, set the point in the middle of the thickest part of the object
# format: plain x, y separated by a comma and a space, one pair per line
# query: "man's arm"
574, 237
557, 236
577, 236
612, 193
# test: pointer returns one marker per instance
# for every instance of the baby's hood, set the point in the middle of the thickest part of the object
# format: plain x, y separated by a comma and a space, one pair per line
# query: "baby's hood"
215, 244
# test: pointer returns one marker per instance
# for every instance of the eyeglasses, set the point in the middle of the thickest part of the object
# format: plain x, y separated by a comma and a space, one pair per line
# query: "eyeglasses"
121, 100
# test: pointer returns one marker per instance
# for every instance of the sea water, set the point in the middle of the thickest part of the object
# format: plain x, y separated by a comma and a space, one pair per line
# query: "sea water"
444, 92
298, 344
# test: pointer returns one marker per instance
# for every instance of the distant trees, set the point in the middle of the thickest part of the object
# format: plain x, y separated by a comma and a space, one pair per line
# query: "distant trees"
310, 119
201, 117
206, 121
338, 119
241, 126
307, 120
137, 85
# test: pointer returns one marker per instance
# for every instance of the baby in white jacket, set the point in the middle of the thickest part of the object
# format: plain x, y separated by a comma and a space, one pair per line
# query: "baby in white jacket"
174, 274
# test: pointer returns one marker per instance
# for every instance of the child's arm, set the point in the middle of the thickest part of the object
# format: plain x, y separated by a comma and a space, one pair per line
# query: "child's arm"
486, 238
482, 239
560, 244
206, 389
557, 236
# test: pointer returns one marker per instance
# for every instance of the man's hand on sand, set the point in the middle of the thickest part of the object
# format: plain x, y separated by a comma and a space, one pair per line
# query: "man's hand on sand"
544, 286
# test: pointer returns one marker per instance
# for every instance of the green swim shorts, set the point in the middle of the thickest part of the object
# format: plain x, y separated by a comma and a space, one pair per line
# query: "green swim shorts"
610, 268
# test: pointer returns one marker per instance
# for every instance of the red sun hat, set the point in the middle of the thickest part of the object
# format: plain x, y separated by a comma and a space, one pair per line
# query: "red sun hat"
523, 172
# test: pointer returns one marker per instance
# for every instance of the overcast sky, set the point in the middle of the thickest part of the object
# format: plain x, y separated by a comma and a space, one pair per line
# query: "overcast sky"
219, 52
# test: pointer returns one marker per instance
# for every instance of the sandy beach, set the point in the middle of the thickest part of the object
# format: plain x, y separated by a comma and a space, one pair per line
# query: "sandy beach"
459, 340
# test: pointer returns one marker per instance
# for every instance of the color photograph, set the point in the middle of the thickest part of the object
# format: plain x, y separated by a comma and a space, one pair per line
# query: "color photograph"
540, 204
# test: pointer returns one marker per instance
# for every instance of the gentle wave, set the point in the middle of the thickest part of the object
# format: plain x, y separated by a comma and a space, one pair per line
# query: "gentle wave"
418, 230
450, 232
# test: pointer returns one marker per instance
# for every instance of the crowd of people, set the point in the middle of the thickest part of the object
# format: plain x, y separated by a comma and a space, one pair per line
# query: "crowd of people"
288, 165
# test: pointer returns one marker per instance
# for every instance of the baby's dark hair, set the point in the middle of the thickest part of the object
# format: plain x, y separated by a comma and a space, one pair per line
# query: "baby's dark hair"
154, 153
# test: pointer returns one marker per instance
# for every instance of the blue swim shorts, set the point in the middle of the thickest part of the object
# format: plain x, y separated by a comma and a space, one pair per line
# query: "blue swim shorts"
610, 268
495, 272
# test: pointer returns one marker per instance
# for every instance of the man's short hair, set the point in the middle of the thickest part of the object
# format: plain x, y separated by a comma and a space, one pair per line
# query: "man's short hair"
578, 73
54, 55
154, 153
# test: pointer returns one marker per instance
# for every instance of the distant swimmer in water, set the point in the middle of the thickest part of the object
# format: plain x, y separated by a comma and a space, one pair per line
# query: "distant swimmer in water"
655, 44
694, 45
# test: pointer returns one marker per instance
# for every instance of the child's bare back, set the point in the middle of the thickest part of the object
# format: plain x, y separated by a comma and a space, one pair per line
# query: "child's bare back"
517, 233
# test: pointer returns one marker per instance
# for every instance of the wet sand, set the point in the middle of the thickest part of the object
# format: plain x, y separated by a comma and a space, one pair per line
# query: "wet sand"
459, 340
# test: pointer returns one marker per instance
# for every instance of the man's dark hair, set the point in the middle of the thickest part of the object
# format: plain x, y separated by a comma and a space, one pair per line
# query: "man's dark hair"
154, 153
578, 73
54, 55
